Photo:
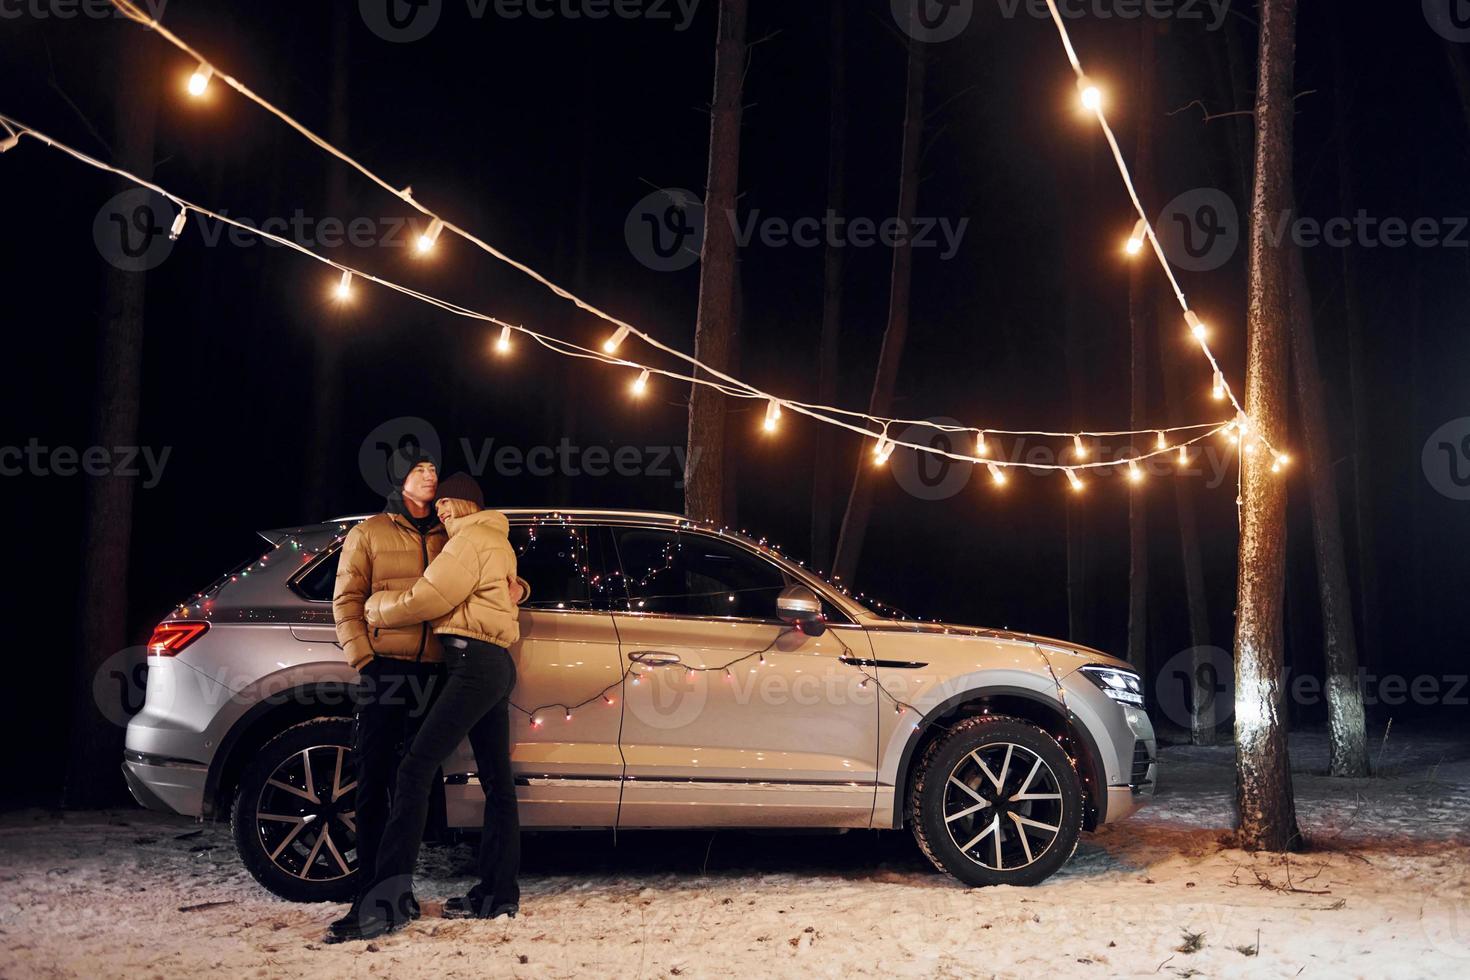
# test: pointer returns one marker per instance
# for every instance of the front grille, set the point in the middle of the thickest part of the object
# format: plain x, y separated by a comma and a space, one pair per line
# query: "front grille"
1141, 762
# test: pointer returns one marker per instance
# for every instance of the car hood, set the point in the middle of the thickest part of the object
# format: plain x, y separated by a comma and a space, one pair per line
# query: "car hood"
1065, 656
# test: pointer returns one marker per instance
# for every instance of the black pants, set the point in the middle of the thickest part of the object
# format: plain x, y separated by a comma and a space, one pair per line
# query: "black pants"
475, 702
393, 698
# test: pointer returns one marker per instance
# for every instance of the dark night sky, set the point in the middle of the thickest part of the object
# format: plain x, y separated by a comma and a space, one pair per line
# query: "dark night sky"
531, 132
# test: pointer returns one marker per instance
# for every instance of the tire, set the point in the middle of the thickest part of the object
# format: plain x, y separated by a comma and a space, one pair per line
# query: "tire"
963, 807
299, 840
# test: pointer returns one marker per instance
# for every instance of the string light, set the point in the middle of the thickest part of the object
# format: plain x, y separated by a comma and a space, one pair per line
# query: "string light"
1077, 485
199, 81
1163, 441
344, 287
997, 475
430, 237
9, 143
1091, 94
1134, 473
1183, 455
773, 415
1135, 243
981, 448
1196, 325
503, 344
1079, 447
616, 340
178, 225
883, 450
641, 385
1218, 392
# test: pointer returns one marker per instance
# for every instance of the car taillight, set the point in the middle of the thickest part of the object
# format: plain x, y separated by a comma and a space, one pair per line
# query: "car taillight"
169, 638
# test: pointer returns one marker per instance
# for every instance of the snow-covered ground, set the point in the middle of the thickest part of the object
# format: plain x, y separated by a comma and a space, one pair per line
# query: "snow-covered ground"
1383, 892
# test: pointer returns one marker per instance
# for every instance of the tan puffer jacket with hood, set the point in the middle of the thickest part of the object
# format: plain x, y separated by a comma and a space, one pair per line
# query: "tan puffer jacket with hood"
470, 590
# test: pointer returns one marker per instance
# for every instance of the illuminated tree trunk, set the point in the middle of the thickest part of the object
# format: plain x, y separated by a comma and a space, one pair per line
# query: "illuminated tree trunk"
96, 743
704, 492
824, 483
895, 335
1264, 798
1141, 310
1346, 728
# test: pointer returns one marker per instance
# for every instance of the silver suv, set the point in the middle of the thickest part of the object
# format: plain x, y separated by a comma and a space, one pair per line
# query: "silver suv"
670, 675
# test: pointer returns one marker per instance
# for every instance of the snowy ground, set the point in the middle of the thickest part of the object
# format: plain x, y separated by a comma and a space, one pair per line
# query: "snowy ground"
1384, 892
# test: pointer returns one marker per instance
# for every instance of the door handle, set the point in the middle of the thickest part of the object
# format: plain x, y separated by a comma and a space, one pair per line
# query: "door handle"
654, 658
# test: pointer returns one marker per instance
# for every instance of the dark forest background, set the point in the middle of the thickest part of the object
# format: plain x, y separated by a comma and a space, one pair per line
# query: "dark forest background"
542, 135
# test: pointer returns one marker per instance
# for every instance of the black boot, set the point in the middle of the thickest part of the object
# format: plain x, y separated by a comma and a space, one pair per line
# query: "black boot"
468, 908
352, 925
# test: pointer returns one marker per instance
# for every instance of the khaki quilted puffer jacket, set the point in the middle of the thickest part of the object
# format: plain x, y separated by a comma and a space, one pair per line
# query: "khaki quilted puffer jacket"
384, 552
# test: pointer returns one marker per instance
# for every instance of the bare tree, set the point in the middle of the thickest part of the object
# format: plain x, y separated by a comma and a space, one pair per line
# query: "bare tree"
824, 482
704, 492
102, 614
1346, 728
895, 334
1264, 798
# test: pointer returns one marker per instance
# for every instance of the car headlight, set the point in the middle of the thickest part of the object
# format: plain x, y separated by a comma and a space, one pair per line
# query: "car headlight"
1122, 686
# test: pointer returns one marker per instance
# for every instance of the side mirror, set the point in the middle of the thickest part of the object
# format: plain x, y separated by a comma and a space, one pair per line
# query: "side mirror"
799, 606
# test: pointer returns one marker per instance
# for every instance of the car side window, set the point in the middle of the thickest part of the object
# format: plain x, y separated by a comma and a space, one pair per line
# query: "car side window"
681, 573
556, 560
320, 581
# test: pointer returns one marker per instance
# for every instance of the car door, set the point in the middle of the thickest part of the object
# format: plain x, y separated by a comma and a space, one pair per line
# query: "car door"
731, 718
564, 746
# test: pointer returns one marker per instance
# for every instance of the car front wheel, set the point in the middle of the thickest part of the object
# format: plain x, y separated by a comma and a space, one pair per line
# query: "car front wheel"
996, 801
294, 816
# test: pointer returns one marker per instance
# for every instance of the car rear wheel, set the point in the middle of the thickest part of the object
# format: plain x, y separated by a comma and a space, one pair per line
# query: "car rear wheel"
294, 816
996, 801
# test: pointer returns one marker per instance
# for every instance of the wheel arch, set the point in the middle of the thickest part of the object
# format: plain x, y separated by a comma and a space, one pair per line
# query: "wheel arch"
1049, 715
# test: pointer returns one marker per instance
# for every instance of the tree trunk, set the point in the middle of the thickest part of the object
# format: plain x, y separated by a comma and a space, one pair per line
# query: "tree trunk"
824, 484
1346, 728
895, 335
704, 491
96, 742
323, 460
1364, 526
1141, 309
1264, 798
1202, 716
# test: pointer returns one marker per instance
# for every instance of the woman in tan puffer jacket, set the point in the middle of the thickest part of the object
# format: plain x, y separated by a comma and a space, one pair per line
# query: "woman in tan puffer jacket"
469, 593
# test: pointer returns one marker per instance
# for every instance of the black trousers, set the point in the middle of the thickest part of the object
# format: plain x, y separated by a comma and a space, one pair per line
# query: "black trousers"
475, 703
393, 697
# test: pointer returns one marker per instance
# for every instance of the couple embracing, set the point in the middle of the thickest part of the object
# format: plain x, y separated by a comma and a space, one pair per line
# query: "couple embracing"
426, 606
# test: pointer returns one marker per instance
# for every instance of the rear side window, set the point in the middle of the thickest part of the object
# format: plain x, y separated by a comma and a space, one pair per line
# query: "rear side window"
685, 574
561, 565
320, 581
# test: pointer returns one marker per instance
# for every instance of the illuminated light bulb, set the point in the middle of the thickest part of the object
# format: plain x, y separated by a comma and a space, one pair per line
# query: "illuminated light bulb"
607, 699
616, 340
1196, 325
997, 475
430, 238
1134, 473
1091, 94
1283, 460
1218, 392
1077, 485
199, 81
344, 288
569, 716
773, 415
641, 385
503, 344
1135, 242
9, 143
535, 722
883, 451
1183, 455
637, 678
178, 226
982, 448
1079, 447
863, 683
1163, 441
